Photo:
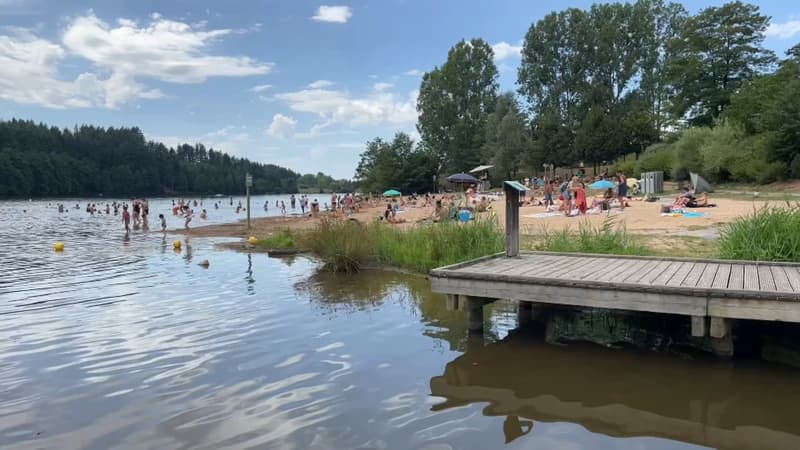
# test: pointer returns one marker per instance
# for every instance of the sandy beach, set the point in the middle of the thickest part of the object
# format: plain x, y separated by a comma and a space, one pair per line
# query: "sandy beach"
641, 218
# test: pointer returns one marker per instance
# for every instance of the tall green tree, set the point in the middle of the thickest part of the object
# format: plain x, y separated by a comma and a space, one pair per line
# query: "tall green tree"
507, 137
717, 50
659, 23
454, 103
396, 164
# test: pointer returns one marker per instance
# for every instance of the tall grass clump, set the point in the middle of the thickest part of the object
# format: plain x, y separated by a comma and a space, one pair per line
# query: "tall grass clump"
608, 238
425, 247
347, 246
342, 245
283, 239
769, 234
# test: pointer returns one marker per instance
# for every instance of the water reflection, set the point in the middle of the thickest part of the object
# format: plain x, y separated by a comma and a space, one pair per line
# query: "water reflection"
623, 394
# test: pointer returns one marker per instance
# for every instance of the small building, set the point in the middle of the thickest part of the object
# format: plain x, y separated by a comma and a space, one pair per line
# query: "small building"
482, 173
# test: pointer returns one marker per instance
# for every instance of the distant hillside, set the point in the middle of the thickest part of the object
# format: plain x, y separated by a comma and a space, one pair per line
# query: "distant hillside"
37, 161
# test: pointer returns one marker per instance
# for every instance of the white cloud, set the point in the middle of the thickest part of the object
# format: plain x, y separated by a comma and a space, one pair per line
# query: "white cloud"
380, 87
339, 106
121, 57
234, 140
260, 88
504, 50
414, 73
333, 14
282, 126
319, 84
785, 30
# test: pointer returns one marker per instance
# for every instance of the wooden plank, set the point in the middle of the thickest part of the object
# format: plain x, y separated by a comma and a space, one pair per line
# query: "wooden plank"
706, 280
793, 275
782, 283
535, 264
646, 269
545, 268
699, 327
680, 274
581, 270
736, 281
693, 276
578, 265
766, 282
666, 274
576, 296
719, 327
655, 273
722, 277
619, 272
734, 308
751, 277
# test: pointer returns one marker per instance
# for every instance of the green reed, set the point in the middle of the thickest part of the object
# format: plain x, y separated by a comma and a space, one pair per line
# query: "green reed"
607, 238
770, 233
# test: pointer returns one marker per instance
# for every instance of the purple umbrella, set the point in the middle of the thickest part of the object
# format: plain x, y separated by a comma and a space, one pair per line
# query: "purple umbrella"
463, 178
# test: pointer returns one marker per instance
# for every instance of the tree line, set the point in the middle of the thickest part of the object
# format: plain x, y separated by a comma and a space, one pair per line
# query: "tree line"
597, 84
39, 161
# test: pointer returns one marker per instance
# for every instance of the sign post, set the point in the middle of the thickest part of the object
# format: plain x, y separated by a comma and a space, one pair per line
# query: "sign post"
248, 183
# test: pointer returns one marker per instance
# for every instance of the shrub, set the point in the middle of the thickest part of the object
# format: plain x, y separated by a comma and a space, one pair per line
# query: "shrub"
657, 158
769, 234
688, 157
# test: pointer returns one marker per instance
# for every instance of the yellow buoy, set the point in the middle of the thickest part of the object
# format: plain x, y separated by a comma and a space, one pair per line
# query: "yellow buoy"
59, 247
252, 240
176, 244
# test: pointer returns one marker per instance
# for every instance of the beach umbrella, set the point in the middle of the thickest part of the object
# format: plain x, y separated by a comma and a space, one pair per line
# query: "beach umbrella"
700, 184
602, 184
392, 193
463, 178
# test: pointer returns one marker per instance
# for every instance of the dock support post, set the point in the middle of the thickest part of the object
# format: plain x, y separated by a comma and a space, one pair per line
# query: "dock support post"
524, 313
475, 312
721, 337
699, 327
451, 302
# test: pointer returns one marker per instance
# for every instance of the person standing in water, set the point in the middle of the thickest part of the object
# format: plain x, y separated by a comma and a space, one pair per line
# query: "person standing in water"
163, 223
187, 214
292, 201
126, 218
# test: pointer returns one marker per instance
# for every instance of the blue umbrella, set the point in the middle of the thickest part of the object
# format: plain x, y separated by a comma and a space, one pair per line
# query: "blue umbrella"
602, 184
463, 178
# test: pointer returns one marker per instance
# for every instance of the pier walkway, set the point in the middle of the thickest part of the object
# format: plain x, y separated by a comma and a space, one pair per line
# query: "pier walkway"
711, 292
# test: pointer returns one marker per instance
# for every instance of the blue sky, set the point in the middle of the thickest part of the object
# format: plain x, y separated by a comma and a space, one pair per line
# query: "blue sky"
296, 83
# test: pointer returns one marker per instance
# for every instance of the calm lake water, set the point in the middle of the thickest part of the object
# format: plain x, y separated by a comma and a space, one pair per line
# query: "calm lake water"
123, 343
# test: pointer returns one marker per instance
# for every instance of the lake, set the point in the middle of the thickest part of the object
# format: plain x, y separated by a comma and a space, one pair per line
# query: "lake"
121, 342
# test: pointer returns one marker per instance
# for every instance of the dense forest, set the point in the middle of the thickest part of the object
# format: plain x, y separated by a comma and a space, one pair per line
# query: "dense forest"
641, 86
38, 161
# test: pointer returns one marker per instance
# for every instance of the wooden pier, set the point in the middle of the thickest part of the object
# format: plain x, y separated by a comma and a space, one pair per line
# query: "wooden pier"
710, 293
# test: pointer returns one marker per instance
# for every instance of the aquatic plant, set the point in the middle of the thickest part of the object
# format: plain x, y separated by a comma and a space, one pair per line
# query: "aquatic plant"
425, 247
283, 239
346, 246
607, 238
770, 233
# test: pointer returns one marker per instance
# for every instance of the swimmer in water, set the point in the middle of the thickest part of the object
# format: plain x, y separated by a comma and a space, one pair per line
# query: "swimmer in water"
204, 215
126, 218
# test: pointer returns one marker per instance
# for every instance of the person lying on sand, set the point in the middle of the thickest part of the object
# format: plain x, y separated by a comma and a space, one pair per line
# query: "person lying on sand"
700, 202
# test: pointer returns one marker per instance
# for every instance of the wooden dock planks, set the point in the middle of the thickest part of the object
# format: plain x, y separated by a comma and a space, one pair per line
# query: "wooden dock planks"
678, 286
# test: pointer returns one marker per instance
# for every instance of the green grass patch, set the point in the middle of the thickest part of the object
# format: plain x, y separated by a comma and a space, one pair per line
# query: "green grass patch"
425, 247
770, 233
607, 238
282, 239
347, 246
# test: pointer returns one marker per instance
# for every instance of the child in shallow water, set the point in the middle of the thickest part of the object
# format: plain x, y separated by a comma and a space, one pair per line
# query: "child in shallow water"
126, 218
163, 223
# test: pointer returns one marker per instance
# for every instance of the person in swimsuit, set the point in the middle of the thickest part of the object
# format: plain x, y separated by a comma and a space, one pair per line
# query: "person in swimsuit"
622, 189
126, 218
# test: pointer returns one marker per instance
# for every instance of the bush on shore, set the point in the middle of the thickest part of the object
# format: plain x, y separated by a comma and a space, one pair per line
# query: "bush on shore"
769, 234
